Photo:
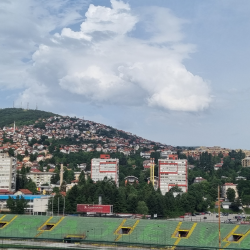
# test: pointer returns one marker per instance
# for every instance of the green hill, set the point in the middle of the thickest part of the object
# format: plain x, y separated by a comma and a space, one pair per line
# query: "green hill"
21, 116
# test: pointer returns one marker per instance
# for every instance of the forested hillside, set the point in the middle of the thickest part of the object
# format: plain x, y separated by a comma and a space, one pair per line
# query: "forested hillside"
21, 116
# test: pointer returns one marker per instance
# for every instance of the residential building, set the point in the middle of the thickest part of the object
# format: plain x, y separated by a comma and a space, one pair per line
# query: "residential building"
166, 153
245, 162
145, 155
105, 167
40, 178
199, 179
226, 186
218, 166
147, 164
172, 172
7, 172
240, 178
23, 192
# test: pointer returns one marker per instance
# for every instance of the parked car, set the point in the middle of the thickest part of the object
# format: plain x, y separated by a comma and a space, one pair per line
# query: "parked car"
182, 216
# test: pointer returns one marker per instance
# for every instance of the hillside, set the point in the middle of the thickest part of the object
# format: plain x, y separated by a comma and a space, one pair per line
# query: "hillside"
21, 116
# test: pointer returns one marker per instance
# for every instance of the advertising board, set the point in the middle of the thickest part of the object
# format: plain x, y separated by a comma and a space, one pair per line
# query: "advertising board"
103, 209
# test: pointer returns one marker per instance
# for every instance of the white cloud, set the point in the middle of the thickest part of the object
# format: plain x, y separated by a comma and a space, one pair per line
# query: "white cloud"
107, 62
23, 26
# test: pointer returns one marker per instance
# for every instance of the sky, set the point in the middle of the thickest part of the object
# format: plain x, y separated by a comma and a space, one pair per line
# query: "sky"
175, 72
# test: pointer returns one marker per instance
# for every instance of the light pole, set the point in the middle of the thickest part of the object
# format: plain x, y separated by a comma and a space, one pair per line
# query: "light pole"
63, 205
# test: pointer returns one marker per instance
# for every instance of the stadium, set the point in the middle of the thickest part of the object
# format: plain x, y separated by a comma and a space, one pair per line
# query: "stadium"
58, 232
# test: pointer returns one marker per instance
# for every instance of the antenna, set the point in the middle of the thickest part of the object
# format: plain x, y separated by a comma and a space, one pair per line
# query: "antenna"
36, 106
27, 106
21, 105
13, 104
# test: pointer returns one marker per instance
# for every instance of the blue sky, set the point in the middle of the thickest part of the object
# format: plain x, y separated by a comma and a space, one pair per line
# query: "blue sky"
171, 71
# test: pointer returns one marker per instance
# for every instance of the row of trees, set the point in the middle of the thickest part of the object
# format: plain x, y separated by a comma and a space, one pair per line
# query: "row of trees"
137, 198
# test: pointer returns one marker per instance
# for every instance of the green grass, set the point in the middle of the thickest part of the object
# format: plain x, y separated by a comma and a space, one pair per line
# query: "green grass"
21, 116
247, 210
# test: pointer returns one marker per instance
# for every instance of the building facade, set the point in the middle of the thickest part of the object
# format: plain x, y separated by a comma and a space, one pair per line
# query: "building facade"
172, 172
7, 172
40, 178
245, 162
37, 204
226, 186
105, 167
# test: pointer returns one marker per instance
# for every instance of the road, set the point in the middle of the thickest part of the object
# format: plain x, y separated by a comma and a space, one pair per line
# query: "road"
209, 218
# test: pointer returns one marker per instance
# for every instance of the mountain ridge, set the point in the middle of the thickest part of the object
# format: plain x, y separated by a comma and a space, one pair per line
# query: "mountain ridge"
21, 116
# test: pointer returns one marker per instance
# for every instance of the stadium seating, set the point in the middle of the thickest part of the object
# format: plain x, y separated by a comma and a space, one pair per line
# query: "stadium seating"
125, 231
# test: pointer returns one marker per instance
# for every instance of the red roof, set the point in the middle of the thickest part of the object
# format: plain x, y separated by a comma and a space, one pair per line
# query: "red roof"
25, 191
35, 171
5, 191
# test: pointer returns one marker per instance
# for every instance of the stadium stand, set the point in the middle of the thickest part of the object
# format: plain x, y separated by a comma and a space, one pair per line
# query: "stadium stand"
161, 233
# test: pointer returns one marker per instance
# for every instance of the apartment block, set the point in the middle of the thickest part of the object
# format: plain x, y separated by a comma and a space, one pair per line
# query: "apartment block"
105, 167
7, 172
40, 178
172, 171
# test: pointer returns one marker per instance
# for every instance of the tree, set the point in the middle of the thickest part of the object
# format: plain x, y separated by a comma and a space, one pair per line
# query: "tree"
175, 189
31, 186
142, 208
18, 205
11, 152
26, 152
235, 205
246, 200
230, 194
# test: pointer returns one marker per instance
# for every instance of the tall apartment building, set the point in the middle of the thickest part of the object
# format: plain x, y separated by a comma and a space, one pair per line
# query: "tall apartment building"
172, 172
105, 167
7, 172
